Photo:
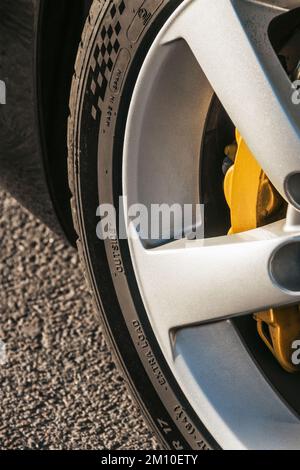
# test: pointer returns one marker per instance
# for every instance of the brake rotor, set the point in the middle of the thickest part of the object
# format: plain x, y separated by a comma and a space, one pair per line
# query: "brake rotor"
254, 202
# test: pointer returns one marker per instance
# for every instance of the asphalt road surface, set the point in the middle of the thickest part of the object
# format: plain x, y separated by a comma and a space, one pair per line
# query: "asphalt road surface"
59, 388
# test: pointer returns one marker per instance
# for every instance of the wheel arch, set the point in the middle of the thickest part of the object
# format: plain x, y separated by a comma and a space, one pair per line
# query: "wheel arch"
38, 45
60, 25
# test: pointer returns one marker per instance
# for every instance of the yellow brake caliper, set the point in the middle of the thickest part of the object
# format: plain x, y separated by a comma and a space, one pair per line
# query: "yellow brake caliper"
254, 202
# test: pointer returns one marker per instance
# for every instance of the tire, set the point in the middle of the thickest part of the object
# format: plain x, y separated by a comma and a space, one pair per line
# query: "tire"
108, 269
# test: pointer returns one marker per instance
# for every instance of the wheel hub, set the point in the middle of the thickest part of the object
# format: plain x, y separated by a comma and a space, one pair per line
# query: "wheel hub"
254, 202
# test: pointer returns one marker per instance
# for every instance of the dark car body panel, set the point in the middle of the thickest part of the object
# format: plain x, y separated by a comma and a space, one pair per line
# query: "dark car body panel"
38, 44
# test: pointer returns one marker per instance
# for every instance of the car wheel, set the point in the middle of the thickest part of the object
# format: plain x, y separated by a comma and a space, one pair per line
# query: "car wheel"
157, 87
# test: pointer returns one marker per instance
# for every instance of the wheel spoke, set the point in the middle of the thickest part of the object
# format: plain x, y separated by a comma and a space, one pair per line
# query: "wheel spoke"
230, 41
189, 282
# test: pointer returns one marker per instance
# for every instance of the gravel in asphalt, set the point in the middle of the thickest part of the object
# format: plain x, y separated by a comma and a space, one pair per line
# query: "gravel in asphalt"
59, 388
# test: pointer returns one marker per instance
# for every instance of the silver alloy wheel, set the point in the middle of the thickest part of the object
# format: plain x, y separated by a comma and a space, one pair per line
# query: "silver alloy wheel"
191, 289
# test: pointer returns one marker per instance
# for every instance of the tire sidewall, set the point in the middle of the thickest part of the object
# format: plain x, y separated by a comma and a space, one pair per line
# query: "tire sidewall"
103, 98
